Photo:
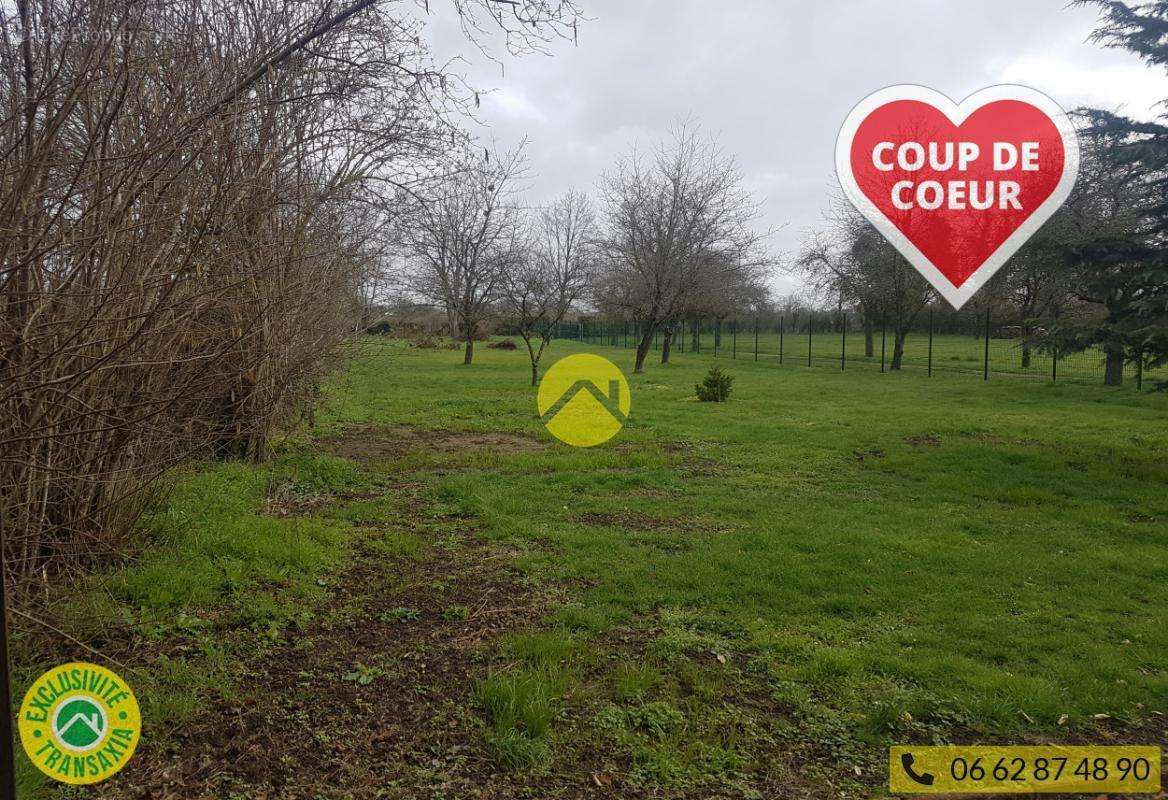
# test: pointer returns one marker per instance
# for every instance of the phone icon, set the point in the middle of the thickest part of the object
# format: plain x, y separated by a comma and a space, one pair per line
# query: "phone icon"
906, 761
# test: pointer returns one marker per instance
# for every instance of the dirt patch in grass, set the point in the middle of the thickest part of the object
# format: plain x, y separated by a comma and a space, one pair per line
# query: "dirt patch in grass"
375, 697
692, 463
629, 520
704, 467
924, 440
370, 700
373, 443
451, 441
282, 501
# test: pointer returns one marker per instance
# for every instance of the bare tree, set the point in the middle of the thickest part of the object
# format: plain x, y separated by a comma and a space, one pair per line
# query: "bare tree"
723, 293
678, 221
851, 263
552, 274
464, 238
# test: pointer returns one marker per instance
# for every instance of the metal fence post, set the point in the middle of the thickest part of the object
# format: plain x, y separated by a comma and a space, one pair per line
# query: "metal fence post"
986, 366
883, 337
1054, 354
1139, 372
843, 341
930, 342
810, 325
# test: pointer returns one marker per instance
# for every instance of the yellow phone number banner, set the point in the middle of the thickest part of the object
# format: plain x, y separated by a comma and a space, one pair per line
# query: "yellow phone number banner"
1026, 769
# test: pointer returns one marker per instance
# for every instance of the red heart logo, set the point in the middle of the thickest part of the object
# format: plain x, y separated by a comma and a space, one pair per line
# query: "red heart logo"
957, 189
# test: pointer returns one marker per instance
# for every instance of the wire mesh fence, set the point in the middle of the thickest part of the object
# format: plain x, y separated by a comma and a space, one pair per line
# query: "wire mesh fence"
971, 342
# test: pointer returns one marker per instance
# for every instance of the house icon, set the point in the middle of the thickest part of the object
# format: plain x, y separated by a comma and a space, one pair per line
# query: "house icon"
610, 401
584, 400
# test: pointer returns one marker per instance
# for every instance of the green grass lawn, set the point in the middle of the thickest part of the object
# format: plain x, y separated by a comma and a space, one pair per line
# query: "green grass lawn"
890, 555
780, 585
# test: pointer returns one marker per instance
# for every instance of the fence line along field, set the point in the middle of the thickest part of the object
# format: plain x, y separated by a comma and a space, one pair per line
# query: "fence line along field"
834, 341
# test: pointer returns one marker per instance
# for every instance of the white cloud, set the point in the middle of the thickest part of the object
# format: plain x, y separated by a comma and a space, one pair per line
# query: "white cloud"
1130, 88
514, 103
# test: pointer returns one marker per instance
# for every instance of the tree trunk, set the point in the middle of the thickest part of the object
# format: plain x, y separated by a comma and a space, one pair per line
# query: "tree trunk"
694, 345
718, 334
898, 348
1025, 352
643, 348
257, 448
666, 341
532, 357
1113, 371
469, 357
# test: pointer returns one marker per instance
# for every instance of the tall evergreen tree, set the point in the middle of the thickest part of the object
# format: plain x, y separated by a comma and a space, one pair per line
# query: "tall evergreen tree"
1121, 256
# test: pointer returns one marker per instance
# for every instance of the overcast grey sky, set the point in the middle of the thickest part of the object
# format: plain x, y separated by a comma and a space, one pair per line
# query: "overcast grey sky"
773, 80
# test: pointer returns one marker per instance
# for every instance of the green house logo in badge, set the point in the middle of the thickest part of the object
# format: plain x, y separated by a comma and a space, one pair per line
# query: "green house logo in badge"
80, 723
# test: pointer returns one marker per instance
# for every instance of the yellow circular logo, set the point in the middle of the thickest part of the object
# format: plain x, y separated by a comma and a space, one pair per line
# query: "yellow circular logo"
584, 400
79, 723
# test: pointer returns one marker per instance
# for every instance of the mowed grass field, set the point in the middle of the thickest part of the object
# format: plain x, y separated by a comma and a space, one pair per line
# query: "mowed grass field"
748, 599
887, 557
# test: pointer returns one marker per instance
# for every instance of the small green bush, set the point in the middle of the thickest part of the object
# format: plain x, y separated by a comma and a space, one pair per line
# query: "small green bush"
715, 388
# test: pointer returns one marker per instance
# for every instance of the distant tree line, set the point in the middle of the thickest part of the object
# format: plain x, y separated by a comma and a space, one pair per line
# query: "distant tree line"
673, 242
